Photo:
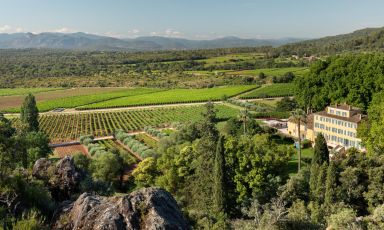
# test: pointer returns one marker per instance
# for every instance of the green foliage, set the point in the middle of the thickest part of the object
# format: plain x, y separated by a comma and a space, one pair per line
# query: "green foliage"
30, 221
29, 113
219, 189
145, 173
330, 195
81, 161
321, 153
286, 104
105, 167
345, 219
352, 78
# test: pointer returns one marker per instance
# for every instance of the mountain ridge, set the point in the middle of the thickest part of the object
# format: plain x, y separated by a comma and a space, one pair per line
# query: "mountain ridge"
85, 41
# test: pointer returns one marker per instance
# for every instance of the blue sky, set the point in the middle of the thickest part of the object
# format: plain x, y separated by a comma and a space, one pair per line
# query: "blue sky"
195, 19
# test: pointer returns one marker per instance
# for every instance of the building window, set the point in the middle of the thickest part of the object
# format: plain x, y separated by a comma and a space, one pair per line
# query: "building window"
331, 111
338, 113
344, 114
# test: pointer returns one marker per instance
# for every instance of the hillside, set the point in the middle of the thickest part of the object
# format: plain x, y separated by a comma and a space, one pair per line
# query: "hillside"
368, 39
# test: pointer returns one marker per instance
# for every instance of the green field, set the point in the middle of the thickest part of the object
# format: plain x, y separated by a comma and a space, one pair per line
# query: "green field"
75, 101
274, 90
298, 71
172, 96
69, 127
24, 91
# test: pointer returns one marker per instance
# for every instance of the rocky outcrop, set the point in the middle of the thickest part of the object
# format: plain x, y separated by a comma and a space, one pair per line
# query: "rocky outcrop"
148, 208
63, 179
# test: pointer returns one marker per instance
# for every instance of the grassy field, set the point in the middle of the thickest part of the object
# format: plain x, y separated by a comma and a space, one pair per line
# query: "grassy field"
274, 90
25, 91
75, 101
231, 58
69, 127
147, 140
298, 71
15, 101
306, 156
268, 101
172, 96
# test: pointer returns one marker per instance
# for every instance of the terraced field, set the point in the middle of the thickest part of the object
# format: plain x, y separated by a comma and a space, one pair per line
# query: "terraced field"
274, 90
298, 71
172, 96
69, 127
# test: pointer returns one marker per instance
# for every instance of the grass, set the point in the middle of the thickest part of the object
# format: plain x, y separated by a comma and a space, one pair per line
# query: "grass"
173, 96
231, 58
298, 71
306, 156
268, 101
24, 91
75, 101
274, 90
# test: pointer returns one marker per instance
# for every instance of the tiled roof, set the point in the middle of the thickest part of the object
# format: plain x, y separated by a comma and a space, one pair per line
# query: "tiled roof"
344, 107
355, 118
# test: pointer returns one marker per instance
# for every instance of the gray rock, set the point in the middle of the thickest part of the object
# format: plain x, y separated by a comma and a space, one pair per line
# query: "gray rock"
63, 179
148, 208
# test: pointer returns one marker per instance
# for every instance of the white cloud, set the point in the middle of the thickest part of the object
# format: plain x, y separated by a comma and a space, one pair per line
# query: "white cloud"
167, 33
10, 29
64, 30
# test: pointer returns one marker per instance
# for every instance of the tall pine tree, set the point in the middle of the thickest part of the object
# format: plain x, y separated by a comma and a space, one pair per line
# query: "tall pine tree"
321, 153
219, 189
29, 114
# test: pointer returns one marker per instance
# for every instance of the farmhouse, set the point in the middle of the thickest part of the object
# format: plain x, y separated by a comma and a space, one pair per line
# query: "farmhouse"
338, 124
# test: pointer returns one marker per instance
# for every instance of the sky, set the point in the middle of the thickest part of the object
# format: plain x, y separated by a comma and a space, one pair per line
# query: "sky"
193, 19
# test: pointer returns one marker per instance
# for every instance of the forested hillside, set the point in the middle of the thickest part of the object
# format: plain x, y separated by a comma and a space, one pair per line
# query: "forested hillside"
369, 39
351, 79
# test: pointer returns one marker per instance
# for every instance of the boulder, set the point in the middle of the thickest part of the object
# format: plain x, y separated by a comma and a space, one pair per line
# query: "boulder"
147, 208
62, 179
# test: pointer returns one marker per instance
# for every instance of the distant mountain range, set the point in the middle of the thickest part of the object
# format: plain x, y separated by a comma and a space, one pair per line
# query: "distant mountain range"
83, 41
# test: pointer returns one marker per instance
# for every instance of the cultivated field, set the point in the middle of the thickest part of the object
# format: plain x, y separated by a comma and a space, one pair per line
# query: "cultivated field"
298, 71
75, 101
24, 91
15, 101
274, 90
69, 150
172, 96
69, 127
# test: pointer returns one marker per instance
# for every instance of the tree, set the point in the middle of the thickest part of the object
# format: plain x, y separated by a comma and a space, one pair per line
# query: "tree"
321, 153
244, 117
37, 145
330, 185
219, 190
29, 113
105, 167
298, 116
145, 173
286, 104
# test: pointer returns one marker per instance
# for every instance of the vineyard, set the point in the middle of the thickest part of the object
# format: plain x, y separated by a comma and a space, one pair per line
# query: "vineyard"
274, 90
24, 91
75, 101
172, 96
69, 127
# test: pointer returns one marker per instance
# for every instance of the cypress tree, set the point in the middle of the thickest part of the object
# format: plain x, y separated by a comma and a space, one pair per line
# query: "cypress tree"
321, 153
330, 185
320, 186
313, 180
219, 190
29, 113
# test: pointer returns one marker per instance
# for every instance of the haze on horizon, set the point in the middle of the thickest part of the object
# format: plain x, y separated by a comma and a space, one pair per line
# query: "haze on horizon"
198, 19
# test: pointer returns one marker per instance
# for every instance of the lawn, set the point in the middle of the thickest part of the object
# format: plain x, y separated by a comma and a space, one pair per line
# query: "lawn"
173, 96
306, 157
268, 101
267, 91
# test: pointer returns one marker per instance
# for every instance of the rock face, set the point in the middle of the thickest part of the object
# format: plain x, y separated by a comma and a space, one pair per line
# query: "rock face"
148, 208
63, 178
